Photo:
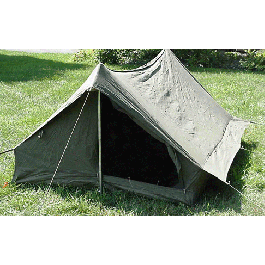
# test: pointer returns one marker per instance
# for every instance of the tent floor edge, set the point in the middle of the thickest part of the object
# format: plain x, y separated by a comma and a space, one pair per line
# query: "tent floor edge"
150, 190
60, 179
187, 196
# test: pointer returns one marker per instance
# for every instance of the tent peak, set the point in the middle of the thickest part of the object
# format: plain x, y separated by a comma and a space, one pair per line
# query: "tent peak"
99, 65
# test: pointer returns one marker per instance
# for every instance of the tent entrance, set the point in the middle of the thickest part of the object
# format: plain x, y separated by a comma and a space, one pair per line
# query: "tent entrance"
129, 152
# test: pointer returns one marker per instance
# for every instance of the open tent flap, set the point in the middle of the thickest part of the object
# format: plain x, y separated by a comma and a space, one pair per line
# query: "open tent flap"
129, 151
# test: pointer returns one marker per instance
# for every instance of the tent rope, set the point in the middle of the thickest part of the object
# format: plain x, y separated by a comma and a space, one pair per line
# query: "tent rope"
6, 151
254, 122
247, 198
255, 152
57, 167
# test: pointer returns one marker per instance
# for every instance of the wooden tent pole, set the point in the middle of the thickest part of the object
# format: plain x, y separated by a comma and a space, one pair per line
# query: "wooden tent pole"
99, 146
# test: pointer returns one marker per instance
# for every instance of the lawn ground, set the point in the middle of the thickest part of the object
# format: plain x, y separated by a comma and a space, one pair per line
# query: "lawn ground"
34, 85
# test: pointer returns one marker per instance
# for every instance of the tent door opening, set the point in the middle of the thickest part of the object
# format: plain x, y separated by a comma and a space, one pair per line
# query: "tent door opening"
129, 152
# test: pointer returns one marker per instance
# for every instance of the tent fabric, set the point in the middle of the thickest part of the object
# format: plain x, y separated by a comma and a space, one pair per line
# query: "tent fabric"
163, 98
37, 157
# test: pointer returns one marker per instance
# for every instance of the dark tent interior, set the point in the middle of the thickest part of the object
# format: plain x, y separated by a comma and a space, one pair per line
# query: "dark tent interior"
128, 151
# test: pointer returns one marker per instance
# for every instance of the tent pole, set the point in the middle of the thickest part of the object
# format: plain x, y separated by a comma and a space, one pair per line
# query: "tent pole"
99, 146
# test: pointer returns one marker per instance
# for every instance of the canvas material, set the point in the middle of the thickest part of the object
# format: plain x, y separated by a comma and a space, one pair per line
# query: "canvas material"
163, 98
36, 159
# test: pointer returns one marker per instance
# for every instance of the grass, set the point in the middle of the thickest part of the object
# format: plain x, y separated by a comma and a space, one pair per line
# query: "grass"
33, 86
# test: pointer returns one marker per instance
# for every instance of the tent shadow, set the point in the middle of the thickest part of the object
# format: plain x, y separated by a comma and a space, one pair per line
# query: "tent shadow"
21, 68
220, 196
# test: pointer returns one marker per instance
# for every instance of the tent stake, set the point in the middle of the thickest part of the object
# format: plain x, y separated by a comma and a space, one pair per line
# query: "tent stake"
99, 146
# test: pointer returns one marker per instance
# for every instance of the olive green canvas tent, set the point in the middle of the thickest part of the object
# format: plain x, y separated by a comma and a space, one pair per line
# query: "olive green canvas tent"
162, 134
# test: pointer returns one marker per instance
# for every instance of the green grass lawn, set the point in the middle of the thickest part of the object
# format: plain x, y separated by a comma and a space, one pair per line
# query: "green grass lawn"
33, 86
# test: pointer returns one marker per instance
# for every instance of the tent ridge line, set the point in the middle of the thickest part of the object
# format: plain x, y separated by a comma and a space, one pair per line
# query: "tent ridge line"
193, 77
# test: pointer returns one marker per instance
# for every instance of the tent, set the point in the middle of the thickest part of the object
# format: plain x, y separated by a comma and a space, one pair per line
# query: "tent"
162, 134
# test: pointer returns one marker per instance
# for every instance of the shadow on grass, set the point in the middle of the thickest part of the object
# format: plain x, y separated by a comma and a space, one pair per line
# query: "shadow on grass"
18, 68
119, 201
218, 195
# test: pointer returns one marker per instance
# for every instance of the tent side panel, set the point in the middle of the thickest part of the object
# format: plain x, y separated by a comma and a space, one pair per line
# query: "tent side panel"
38, 157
